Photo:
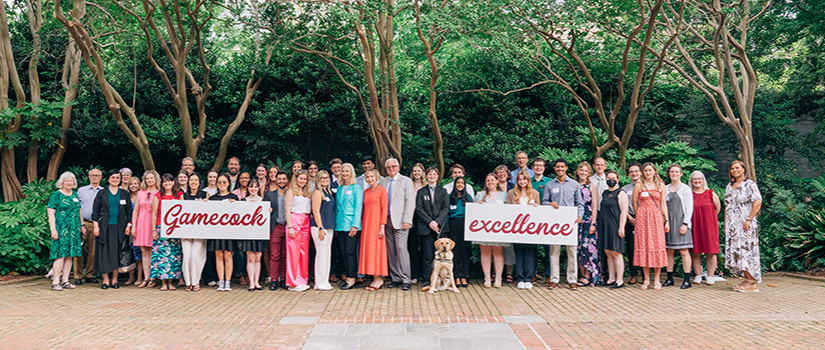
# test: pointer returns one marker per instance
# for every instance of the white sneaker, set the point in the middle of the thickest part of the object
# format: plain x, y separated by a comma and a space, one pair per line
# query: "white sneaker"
719, 279
300, 288
528, 285
227, 286
520, 285
212, 284
220, 286
697, 279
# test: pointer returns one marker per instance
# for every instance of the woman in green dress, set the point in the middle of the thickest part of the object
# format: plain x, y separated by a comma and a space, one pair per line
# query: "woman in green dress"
66, 224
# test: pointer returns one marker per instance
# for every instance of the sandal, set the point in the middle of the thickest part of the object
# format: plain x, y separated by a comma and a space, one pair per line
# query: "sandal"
67, 285
143, 284
645, 285
138, 283
163, 289
508, 278
171, 287
57, 287
151, 284
196, 288
657, 286
370, 288
583, 282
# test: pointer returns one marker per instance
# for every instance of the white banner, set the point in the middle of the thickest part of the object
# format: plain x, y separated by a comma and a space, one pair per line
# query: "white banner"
521, 224
215, 220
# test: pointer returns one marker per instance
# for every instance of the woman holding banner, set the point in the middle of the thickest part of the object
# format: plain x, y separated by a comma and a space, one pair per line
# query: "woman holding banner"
222, 247
166, 252
524, 194
194, 250
254, 248
323, 216
298, 206
459, 197
492, 251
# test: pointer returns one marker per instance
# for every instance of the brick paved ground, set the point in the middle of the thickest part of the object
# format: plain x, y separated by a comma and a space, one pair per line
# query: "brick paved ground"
790, 315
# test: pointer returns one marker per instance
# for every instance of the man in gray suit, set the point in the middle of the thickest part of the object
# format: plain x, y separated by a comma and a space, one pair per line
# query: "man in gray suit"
401, 200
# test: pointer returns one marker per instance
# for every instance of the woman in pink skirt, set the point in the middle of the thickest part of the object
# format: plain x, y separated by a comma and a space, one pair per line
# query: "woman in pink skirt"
298, 206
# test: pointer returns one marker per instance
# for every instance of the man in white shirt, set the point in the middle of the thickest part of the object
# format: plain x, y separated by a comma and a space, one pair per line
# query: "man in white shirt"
401, 201
599, 167
457, 171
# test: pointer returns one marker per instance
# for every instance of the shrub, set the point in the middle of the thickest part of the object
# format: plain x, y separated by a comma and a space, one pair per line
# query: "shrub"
24, 230
807, 237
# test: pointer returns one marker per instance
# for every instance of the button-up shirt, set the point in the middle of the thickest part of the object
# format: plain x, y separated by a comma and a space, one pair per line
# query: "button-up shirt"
601, 185
567, 193
629, 190
86, 195
515, 172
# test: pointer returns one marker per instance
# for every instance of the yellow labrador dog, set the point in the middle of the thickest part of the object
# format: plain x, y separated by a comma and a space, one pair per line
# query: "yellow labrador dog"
442, 278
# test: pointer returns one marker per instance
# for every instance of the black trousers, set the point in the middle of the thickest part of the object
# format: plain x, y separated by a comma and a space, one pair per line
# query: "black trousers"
210, 272
349, 249
427, 254
525, 261
462, 251
631, 246
414, 248
336, 262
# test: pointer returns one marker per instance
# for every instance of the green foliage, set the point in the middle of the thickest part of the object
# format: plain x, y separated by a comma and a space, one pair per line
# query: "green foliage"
24, 230
806, 234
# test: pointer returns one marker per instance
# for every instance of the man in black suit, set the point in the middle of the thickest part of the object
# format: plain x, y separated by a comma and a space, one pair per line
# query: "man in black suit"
432, 205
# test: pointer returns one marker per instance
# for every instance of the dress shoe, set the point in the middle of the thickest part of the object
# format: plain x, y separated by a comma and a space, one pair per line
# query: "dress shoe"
617, 286
632, 280
668, 282
104, 286
346, 286
78, 282
406, 286
574, 286
115, 286
282, 284
552, 285
686, 284
273, 285
91, 280
359, 281
394, 285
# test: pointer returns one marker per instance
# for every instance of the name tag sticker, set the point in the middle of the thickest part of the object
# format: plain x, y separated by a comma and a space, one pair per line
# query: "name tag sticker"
555, 190
453, 207
122, 202
349, 192
326, 199
645, 194
75, 200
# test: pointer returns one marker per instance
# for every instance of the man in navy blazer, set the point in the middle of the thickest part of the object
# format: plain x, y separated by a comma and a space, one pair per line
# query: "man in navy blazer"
432, 205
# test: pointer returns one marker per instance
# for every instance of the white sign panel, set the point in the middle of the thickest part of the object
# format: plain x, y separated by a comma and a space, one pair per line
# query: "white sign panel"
513, 223
215, 220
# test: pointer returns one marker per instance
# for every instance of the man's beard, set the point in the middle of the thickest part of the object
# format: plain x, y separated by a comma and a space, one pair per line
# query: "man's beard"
233, 173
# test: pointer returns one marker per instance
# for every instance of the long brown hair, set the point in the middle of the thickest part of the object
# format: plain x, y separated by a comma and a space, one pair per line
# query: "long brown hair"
517, 190
589, 172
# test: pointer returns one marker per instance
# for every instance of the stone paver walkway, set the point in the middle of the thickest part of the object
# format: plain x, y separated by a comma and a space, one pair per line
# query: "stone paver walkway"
790, 315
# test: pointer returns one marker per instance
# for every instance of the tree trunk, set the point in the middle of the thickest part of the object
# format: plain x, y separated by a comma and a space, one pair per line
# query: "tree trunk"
69, 80
35, 16
8, 75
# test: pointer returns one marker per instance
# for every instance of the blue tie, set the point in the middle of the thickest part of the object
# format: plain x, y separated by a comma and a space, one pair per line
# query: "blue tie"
389, 194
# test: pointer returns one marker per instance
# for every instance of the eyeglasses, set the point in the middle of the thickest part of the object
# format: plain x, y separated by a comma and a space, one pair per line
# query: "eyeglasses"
392, 166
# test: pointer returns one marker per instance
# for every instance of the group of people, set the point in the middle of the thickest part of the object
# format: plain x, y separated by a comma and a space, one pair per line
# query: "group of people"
330, 226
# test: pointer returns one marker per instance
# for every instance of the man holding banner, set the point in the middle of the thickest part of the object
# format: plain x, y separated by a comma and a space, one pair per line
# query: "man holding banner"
563, 191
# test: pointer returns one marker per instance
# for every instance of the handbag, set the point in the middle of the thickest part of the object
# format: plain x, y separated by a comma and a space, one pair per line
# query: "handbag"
127, 259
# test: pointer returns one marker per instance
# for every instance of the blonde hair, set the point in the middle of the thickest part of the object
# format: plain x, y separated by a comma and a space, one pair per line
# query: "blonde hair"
423, 179
128, 184
296, 191
487, 189
517, 190
63, 178
377, 176
698, 174
589, 172
143, 179
351, 175
318, 181
657, 181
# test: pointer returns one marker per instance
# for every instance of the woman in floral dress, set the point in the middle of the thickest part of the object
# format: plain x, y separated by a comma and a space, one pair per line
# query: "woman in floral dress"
588, 236
167, 256
742, 204
651, 225
65, 223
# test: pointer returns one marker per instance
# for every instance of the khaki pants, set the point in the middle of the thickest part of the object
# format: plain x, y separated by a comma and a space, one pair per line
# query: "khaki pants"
89, 244
572, 263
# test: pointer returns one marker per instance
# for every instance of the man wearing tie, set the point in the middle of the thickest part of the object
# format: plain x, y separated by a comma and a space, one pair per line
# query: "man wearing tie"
599, 166
401, 201
432, 204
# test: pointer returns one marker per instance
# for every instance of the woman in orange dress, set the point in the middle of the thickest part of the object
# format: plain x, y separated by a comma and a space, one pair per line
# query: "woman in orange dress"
651, 225
373, 244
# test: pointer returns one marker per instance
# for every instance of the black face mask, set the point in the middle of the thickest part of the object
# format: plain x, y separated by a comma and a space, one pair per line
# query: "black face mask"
611, 183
